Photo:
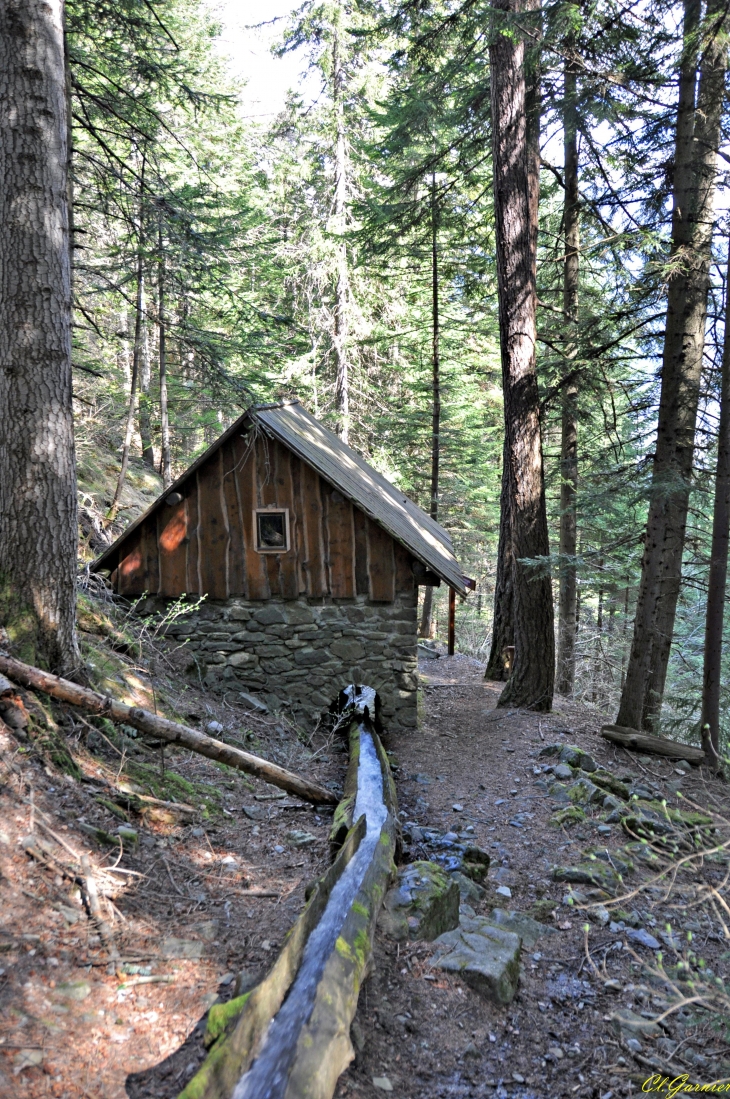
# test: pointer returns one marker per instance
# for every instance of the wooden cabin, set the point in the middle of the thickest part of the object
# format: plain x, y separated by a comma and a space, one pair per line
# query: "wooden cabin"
309, 561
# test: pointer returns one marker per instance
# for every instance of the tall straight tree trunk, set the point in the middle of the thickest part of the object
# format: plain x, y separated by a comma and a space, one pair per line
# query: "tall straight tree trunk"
38, 524
710, 720
503, 634
697, 137
500, 661
139, 333
515, 200
342, 287
569, 420
425, 629
145, 429
165, 459
132, 405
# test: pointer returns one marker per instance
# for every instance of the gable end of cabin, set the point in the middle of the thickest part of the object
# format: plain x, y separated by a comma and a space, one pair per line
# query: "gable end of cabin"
303, 592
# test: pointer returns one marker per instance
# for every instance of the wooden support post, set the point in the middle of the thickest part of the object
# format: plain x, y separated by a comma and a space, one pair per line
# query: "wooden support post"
452, 621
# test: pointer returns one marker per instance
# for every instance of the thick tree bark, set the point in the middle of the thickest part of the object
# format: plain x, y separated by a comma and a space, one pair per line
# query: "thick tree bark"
697, 137
515, 201
38, 524
569, 419
163, 729
165, 457
710, 720
425, 629
503, 635
342, 286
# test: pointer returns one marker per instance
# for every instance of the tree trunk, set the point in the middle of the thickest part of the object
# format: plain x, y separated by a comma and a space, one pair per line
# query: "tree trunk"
696, 142
503, 636
569, 422
136, 355
598, 668
145, 430
38, 524
342, 287
710, 720
425, 629
165, 460
532, 677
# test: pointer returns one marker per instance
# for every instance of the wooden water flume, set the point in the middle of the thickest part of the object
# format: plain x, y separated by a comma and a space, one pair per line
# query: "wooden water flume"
289, 1038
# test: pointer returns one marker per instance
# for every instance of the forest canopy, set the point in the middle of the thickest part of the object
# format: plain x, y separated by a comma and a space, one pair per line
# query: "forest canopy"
347, 253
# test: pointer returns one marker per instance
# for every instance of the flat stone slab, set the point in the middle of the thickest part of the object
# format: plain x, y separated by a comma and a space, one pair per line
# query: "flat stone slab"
529, 930
589, 873
627, 1024
468, 890
422, 905
486, 957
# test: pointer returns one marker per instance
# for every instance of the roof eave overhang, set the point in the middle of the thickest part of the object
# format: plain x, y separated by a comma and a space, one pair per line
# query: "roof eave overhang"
459, 583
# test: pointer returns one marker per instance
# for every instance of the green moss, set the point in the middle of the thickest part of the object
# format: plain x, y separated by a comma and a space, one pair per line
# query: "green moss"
609, 782
588, 873
93, 618
171, 787
48, 741
20, 623
475, 863
573, 814
112, 808
341, 821
361, 909
221, 1015
580, 793
362, 946
542, 910
198, 1087
343, 948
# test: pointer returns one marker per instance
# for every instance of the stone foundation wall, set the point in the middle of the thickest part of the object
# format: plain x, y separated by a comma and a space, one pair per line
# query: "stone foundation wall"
297, 655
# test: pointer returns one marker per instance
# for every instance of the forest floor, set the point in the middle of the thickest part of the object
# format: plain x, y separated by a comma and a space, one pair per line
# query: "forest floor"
474, 767
204, 896
119, 1011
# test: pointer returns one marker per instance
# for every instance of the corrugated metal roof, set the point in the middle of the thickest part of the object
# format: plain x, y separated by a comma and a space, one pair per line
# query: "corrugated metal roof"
426, 539
295, 428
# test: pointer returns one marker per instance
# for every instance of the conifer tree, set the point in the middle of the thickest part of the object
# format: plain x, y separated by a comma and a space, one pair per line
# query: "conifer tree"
696, 139
38, 534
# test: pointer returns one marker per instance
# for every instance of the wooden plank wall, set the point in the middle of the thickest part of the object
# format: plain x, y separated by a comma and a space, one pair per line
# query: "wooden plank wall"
204, 544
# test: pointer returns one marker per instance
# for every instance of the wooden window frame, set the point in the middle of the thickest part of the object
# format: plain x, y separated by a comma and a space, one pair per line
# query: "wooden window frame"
271, 549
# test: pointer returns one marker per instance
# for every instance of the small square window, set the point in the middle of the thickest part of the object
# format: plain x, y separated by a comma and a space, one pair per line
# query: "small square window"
271, 530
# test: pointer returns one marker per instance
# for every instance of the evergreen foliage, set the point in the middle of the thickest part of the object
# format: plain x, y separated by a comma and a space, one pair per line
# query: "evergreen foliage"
165, 169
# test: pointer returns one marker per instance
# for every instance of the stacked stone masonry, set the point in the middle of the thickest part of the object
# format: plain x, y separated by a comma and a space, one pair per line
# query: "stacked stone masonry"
297, 655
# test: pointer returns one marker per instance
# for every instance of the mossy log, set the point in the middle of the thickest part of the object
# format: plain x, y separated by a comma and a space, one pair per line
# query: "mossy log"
324, 1048
654, 745
164, 729
233, 1053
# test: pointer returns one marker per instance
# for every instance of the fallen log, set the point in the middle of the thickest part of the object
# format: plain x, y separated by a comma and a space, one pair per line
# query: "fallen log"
654, 745
164, 729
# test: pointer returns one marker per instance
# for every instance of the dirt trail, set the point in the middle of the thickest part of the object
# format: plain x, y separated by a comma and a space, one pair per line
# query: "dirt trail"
69, 1028
427, 1033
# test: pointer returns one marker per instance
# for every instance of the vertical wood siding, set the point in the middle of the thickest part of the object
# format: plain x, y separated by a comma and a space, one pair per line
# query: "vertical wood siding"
204, 545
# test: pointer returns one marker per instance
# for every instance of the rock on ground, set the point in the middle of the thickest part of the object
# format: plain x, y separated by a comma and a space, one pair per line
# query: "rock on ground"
486, 957
423, 904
